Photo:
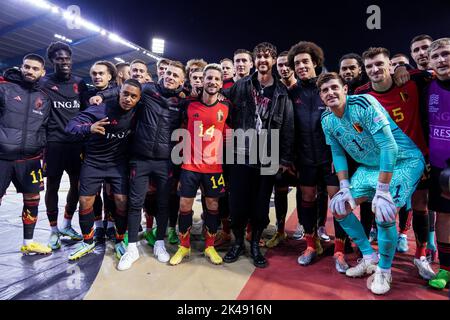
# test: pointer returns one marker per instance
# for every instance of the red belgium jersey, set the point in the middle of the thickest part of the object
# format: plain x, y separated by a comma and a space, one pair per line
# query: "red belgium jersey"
206, 126
403, 105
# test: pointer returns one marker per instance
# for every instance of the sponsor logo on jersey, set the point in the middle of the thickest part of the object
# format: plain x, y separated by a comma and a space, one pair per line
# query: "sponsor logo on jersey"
18, 98
66, 104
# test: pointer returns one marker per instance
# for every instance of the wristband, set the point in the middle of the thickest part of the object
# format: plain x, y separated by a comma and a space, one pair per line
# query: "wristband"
344, 184
382, 186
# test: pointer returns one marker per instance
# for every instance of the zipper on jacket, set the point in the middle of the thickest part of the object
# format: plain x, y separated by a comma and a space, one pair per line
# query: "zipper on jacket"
25, 125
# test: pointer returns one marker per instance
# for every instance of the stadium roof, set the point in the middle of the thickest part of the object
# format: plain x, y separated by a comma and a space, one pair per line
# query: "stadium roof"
28, 26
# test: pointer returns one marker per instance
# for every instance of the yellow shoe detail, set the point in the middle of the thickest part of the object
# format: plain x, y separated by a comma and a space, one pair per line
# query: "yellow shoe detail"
35, 247
213, 256
181, 253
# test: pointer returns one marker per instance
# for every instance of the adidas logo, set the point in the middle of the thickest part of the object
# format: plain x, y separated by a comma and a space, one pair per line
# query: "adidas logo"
55, 88
18, 98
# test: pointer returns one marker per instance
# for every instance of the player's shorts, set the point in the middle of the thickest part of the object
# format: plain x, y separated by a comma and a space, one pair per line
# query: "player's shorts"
91, 179
211, 184
405, 178
436, 201
285, 180
26, 175
424, 183
311, 176
60, 157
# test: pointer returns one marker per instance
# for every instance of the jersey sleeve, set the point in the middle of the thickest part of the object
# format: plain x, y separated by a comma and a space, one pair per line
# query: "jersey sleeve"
371, 113
81, 124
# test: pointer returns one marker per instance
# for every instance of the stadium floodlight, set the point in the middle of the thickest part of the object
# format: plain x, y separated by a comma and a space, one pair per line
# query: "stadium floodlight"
158, 45
55, 9
119, 59
63, 38
40, 3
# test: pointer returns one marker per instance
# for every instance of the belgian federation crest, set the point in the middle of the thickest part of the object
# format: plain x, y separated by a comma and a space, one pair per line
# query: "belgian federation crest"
220, 115
404, 96
357, 127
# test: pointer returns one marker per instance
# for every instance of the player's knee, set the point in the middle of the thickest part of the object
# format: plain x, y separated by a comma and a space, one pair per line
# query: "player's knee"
308, 196
212, 204
185, 204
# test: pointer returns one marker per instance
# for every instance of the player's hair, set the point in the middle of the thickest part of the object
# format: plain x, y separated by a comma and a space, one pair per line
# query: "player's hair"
439, 43
134, 83
398, 55
263, 47
311, 48
239, 51
374, 51
139, 61
193, 64
283, 54
179, 65
420, 37
214, 66
352, 55
226, 59
109, 66
121, 65
56, 46
35, 57
164, 61
327, 76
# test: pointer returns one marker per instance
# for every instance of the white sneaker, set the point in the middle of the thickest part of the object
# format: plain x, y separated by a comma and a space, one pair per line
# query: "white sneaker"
364, 267
128, 259
299, 232
160, 252
380, 282
322, 234
424, 268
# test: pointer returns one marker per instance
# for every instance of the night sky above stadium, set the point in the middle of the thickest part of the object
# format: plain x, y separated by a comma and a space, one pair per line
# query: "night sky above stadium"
203, 29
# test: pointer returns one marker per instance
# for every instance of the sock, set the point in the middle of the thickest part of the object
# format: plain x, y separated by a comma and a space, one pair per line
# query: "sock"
26, 242
29, 217
87, 224
431, 244
99, 224
384, 270
132, 248
371, 257
212, 221
110, 224
52, 218
119, 237
339, 245
185, 238
226, 226
444, 255
281, 207
159, 243
185, 221
67, 223
209, 238
404, 220
420, 227
310, 241
354, 229
55, 229
68, 212
387, 243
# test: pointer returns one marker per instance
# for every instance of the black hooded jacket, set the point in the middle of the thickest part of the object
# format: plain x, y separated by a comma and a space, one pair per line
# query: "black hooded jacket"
158, 115
24, 113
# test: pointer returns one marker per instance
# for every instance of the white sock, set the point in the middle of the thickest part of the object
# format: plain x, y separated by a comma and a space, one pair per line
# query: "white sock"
132, 247
384, 270
99, 224
27, 241
371, 257
55, 229
159, 243
67, 223
110, 224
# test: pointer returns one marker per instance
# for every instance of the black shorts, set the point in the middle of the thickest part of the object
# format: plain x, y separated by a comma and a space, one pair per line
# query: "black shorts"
26, 175
424, 183
435, 201
60, 157
91, 179
212, 184
311, 176
285, 180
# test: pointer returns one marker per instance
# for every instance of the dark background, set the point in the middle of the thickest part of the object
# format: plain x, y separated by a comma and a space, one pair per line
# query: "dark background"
214, 29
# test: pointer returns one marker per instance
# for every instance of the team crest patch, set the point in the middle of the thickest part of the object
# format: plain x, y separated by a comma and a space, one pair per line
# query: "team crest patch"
220, 115
75, 88
358, 127
404, 96
38, 104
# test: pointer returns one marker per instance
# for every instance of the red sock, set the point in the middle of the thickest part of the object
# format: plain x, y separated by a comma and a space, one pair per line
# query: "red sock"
339, 245
310, 241
421, 250
185, 239
209, 239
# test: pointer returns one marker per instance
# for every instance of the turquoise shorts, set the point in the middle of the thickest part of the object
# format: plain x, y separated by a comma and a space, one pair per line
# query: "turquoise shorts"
406, 176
